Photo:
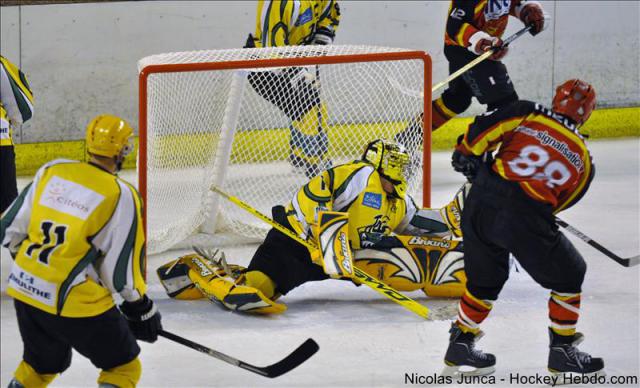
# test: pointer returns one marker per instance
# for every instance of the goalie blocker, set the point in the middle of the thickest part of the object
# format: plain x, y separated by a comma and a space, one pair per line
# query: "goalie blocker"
406, 263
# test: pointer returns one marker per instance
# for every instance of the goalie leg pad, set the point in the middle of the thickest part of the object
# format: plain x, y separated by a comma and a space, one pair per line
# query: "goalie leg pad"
413, 263
261, 282
232, 293
237, 296
174, 277
446, 276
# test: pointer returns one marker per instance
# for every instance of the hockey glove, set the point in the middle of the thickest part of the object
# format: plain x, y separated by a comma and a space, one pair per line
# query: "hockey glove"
468, 165
533, 15
143, 318
251, 42
323, 36
481, 42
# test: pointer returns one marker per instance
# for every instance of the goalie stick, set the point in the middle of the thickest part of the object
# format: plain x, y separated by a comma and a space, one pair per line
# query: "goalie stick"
625, 262
302, 353
360, 275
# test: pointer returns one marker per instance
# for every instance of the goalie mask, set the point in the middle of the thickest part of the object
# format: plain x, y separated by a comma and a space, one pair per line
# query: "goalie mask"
391, 160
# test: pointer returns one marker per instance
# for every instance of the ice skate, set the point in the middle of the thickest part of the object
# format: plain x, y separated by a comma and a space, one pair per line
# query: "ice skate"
462, 352
565, 360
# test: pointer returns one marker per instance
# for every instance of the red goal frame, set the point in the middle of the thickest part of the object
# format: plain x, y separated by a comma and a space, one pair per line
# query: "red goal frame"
278, 62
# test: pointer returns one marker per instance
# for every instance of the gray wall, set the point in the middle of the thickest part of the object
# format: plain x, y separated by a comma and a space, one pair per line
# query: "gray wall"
81, 58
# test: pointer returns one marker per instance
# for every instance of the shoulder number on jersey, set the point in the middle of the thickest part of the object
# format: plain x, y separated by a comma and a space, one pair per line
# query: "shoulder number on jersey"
457, 13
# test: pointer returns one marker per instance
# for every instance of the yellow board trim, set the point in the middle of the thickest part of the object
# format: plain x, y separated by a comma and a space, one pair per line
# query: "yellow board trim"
604, 123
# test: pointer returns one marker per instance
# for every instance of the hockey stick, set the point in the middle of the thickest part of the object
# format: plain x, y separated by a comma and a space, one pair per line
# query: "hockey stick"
625, 262
487, 54
361, 276
295, 358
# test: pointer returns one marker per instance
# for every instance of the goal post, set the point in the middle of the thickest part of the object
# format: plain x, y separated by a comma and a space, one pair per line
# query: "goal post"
220, 117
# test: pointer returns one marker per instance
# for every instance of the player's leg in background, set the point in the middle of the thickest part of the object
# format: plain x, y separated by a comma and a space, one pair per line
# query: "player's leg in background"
8, 184
296, 92
45, 354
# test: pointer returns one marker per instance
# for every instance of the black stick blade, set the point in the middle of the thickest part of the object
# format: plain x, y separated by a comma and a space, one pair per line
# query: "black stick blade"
307, 349
633, 261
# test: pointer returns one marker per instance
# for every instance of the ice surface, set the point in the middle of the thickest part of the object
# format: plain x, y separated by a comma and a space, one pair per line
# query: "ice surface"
366, 340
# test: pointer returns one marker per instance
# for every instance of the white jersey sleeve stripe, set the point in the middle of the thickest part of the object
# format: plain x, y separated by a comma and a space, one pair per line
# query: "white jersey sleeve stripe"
354, 186
117, 245
15, 221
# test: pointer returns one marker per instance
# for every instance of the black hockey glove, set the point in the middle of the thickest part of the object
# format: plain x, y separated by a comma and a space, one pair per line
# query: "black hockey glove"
323, 36
465, 164
143, 318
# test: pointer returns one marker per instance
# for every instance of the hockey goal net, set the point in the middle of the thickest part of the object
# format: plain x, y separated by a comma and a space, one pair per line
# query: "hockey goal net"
258, 122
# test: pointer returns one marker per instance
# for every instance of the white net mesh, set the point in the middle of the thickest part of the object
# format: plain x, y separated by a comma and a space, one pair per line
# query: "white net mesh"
260, 133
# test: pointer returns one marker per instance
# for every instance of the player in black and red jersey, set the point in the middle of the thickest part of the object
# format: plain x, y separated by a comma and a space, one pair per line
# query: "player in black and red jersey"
474, 27
542, 166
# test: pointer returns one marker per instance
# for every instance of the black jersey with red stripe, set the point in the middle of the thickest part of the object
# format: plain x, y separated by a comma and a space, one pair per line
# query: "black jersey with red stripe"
466, 17
539, 149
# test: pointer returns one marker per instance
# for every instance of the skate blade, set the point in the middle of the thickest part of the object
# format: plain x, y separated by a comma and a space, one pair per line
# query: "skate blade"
567, 378
454, 371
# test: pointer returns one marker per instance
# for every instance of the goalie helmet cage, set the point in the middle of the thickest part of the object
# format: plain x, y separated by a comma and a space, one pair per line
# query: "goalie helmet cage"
227, 118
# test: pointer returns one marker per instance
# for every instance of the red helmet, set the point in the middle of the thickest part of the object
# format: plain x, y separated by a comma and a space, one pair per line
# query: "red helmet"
575, 99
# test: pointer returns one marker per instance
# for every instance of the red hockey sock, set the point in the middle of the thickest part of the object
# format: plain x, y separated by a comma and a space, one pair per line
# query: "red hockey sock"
564, 310
471, 312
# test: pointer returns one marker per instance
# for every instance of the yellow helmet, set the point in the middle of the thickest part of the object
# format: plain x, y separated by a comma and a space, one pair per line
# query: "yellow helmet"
108, 135
391, 160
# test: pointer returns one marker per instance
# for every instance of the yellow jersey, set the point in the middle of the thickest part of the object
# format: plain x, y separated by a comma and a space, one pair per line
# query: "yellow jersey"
356, 188
292, 23
76, 234
16, 100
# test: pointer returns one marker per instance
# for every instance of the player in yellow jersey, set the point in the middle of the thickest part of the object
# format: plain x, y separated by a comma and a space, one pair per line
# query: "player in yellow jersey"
392, 239
16, 107
296, 91
76, 237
